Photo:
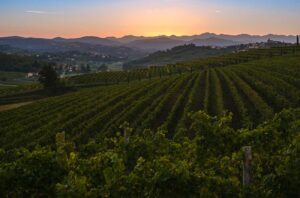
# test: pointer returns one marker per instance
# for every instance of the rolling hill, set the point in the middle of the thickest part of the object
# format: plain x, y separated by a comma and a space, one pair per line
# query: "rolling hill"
57, 45
214, 41
177, 54
91, 40
253, 91
160, 43
18, 63
161, 135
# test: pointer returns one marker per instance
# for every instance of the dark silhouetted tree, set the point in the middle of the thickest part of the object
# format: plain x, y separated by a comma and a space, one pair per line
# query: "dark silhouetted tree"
103, 68
88, 68
49, 78
298, 40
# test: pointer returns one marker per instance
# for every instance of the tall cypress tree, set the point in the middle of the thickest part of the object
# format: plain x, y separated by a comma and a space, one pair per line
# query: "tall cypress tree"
298, 40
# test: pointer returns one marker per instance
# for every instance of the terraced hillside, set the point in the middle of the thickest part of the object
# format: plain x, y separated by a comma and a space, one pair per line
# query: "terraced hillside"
253, 91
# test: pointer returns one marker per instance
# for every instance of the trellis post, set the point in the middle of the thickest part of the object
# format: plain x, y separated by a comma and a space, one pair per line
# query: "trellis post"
247, 165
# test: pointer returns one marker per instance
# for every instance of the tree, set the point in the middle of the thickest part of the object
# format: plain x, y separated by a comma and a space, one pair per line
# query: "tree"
36, 65
85, 69
103, 68
298, 40
88, 68
82, 68
49, 78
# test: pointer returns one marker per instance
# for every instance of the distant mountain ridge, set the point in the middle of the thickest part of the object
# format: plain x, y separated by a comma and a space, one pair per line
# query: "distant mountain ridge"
205, 39
91, 40
215, 41
141, 42
242, 38
90, 46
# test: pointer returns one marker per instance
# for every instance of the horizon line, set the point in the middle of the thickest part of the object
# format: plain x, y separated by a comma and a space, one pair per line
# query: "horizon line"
163, 35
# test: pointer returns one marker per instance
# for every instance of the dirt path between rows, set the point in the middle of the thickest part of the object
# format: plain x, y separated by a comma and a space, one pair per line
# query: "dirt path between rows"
13, 106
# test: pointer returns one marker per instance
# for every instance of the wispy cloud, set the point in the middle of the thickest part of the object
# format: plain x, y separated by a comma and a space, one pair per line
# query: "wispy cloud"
217, 11
38, 12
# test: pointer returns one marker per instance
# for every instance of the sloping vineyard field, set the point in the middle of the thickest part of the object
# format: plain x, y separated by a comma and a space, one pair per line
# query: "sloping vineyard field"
253, 91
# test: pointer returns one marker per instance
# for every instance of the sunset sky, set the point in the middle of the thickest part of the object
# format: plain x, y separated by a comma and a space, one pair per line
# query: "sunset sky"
75, 18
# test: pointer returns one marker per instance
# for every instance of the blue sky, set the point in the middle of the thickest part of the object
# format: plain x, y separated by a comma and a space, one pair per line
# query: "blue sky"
57, 4
72, 18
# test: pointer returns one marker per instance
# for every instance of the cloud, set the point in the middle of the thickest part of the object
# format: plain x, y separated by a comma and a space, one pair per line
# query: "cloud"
217, 11
38, 12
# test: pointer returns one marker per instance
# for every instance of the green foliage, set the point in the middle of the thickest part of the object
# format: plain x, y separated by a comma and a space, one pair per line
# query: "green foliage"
102, 68
11, 76
253, 91
17, 63
29, 173
152, 165
49, 79
177, 54
187, 65
172, 149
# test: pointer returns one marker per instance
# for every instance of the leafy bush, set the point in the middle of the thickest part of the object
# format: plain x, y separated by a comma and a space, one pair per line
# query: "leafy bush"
149, 164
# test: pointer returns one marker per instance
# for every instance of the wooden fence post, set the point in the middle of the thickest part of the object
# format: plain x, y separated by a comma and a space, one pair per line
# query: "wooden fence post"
247, 165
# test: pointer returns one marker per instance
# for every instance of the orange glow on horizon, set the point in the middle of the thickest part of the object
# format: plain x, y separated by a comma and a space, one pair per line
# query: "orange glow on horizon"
147, 21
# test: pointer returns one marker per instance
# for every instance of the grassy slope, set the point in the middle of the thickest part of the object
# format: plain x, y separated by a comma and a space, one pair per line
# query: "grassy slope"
177, 54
